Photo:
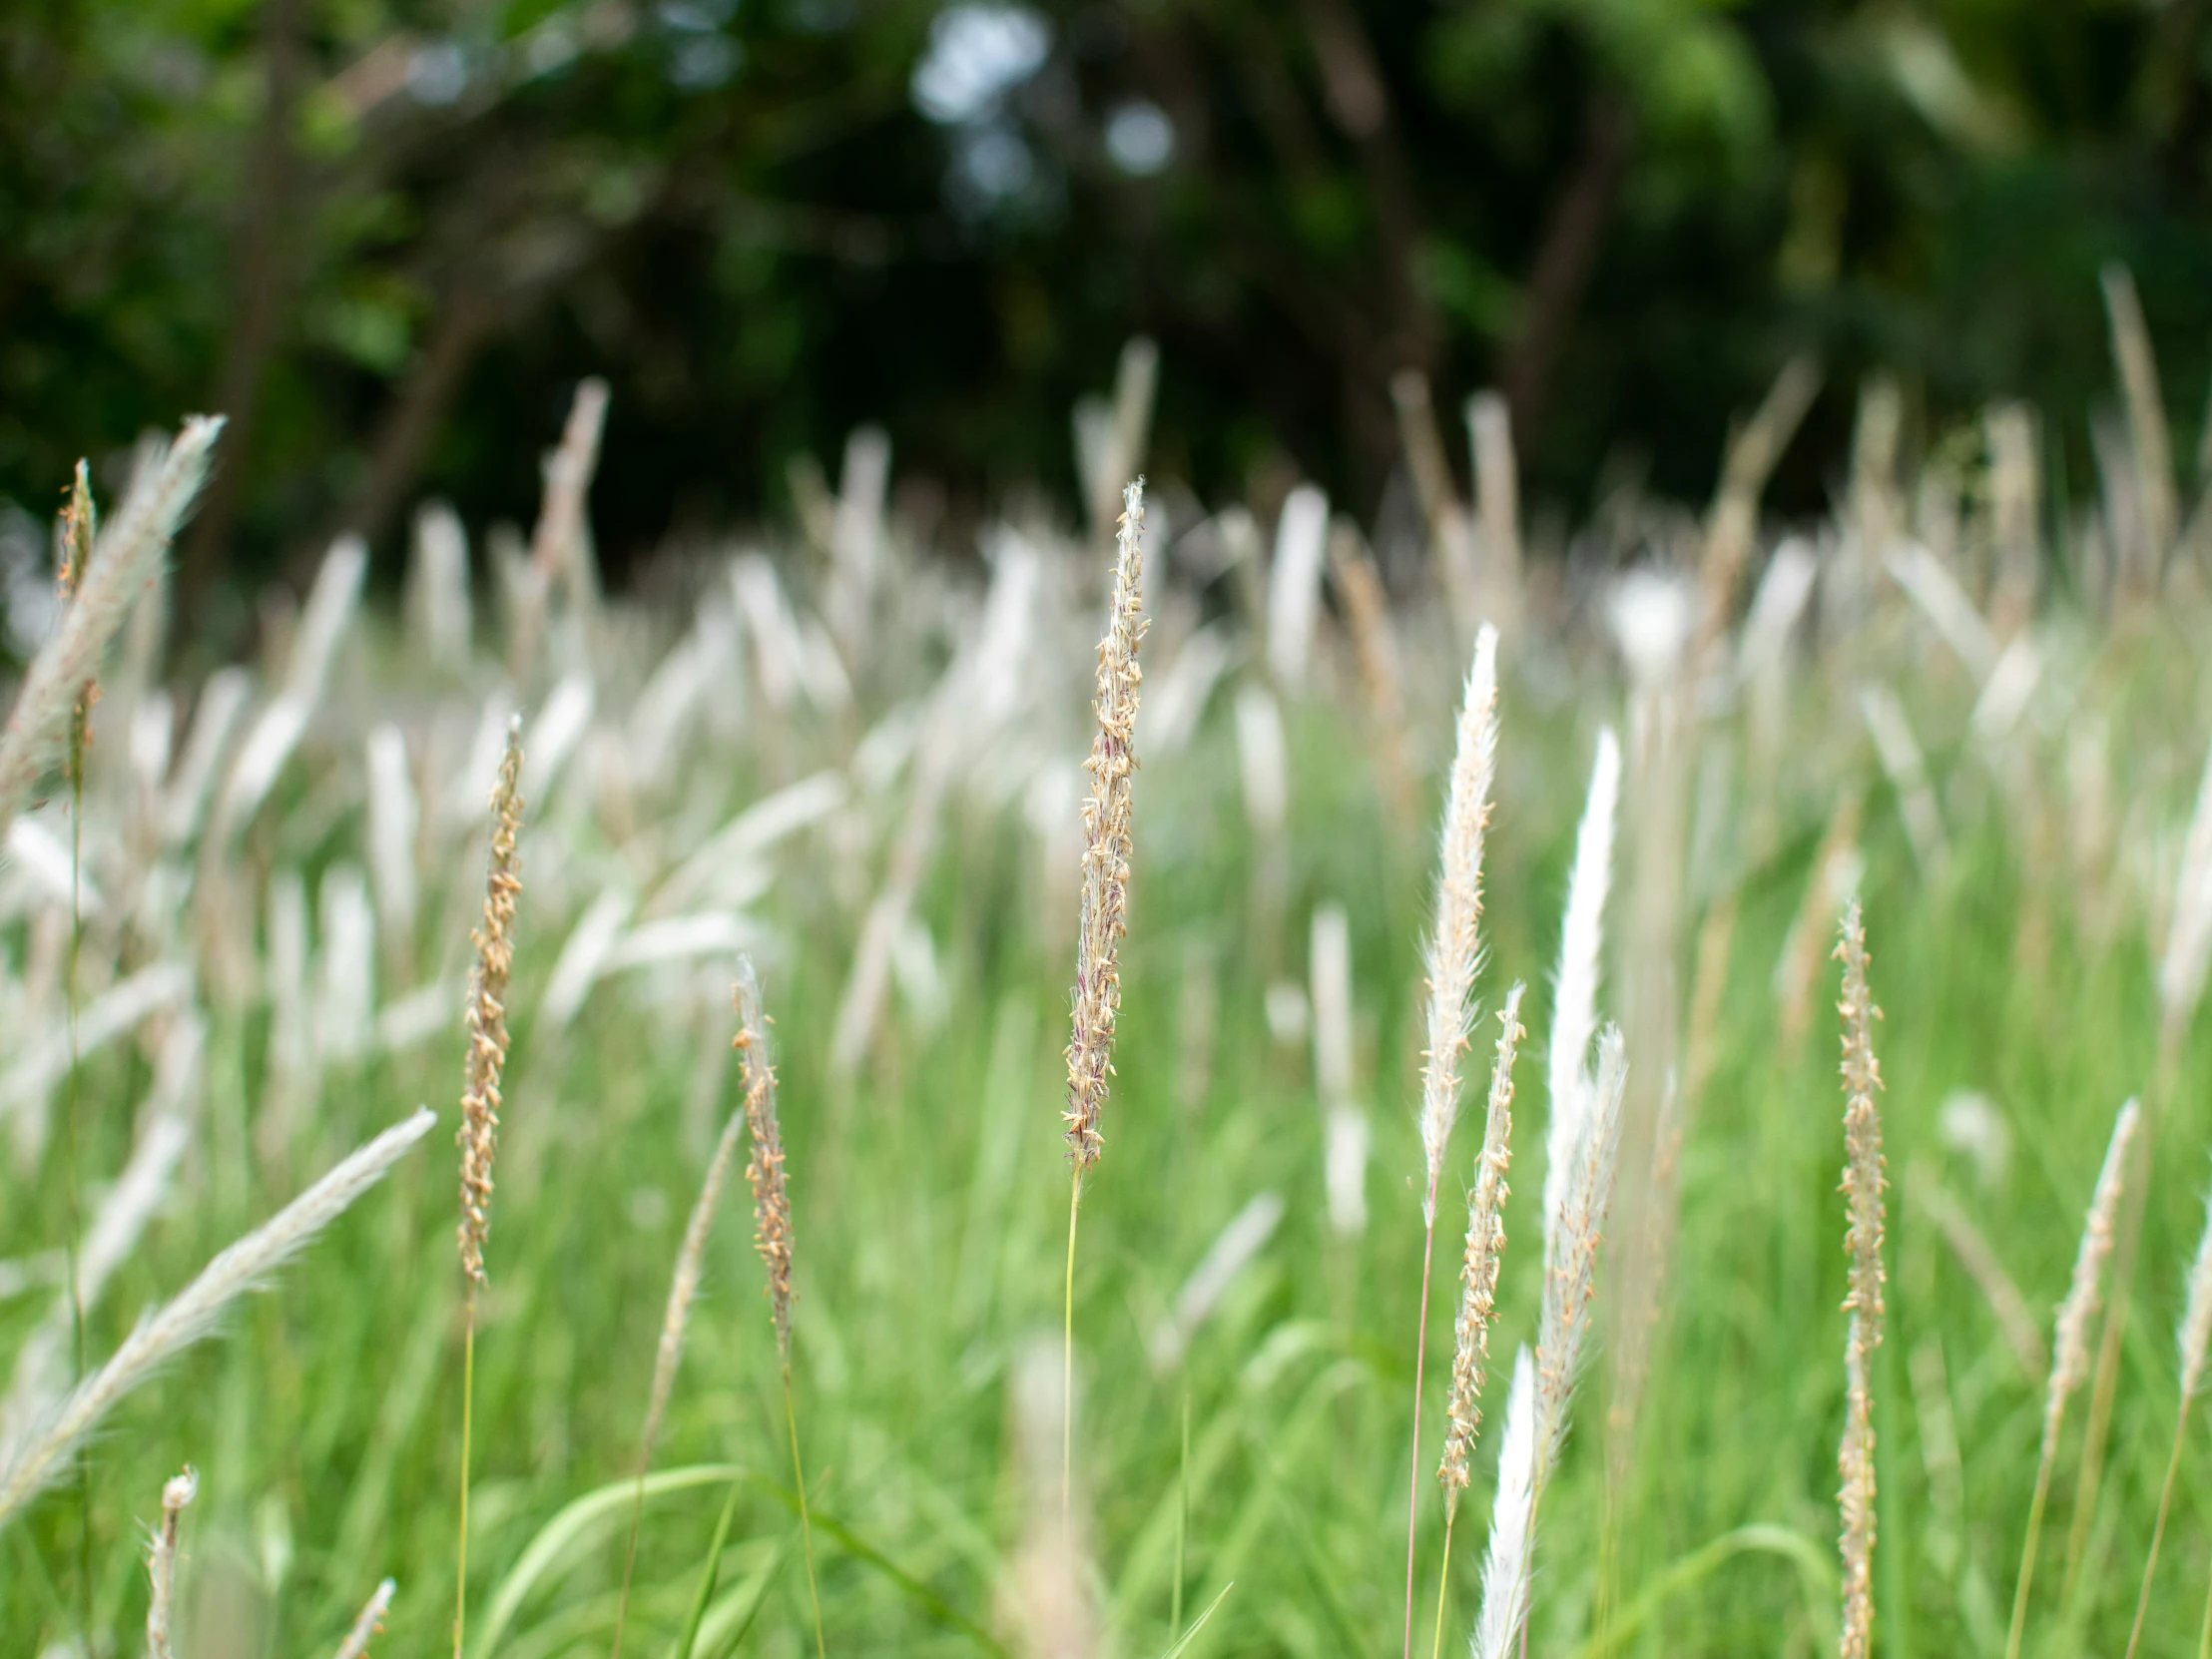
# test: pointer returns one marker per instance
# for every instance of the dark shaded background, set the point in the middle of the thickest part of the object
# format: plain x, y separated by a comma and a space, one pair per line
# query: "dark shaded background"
388, 236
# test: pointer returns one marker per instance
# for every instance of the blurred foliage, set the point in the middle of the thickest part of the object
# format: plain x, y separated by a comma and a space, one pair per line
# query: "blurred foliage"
387, 235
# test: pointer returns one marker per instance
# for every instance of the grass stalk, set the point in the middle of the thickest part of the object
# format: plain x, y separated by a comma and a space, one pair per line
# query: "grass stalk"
669, 1352
1443, 1577
468, 1412
2158, 1530
2027, 1576
805, 1523
1454, 957
481, 1100
1067, 1358
1421, 1354
1182, 1512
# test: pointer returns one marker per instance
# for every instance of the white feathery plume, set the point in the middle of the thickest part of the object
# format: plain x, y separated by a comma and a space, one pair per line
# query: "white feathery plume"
1581, 944
560, 726
1294, 584
1573, 1226
345, 1000
273, 737
191, 1315
185, 803
1498, 498
395, 818
2069, 1348
1329, 972
324, 619
2194, 1335
1344, 1170
1512, 1521
1262, 762
44, 1062
124, 562
2181, 970
42, 1362
1454, 958
437, 601
1456, 944
684, 1286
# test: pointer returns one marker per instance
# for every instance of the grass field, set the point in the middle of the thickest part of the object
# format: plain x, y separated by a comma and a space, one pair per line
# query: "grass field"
859, 762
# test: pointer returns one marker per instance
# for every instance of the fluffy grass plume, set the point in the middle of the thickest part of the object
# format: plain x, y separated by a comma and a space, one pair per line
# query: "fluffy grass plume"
2070, 1346
1574, 1229
1864, 1182
1107, 845
1485, 1248
1455, 959
486, 1012
486, 1060
1455, 946
1537, 1412
1512, 1521
161, 1566
126, 559
1102, 917
1581, 944
33, 1461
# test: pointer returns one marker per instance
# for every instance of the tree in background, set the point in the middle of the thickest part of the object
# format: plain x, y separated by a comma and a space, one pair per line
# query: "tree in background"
387, 235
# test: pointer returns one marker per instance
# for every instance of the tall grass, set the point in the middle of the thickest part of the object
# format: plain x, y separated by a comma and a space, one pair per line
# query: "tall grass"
863, 765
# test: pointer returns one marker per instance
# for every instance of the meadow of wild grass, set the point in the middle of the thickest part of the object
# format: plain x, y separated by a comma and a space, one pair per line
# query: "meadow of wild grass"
238, 921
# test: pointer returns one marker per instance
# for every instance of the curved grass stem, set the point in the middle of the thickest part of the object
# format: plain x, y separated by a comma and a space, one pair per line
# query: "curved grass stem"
468, 1412
805, 1523
1421, 1353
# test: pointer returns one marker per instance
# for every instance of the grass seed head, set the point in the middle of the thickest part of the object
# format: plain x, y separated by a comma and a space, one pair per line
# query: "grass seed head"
487, 1010
771, 1204
2195, 1334
1862, 1186
1107, 846
1455, 946
2070, 1344
1485, 1249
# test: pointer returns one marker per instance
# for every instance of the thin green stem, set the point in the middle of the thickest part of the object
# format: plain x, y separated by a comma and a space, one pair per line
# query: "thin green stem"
1421, 1354
630, 1554
1444, 1576
469, 1406
1067, 1367
2027, 1549
1182, 1511
806, 1524
2158, 1529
